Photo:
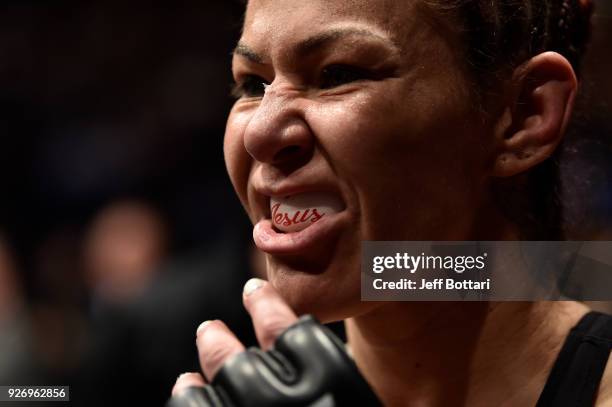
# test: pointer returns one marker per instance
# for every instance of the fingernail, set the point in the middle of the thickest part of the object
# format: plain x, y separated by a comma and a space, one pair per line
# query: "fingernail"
202, 327
252, 285
181, 375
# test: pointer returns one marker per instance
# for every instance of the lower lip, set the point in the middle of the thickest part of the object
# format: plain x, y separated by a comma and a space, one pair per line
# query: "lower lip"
319, 233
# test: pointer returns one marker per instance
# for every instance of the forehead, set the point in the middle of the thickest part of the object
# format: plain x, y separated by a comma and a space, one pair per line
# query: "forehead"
270, 22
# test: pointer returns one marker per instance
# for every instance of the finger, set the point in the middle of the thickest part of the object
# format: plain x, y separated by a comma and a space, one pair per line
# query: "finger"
270, 313
187, 380
216, 343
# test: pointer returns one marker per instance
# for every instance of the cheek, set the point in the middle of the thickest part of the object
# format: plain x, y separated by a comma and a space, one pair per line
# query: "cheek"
407, 156
356, 131
372, 139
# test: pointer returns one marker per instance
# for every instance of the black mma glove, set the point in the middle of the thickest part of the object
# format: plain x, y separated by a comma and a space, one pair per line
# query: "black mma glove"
308, 366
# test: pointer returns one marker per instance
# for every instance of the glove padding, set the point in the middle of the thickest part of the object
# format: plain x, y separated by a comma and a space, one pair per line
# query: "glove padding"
308, 366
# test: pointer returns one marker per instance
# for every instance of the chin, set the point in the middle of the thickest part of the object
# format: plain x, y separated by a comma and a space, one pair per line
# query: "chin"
330, 295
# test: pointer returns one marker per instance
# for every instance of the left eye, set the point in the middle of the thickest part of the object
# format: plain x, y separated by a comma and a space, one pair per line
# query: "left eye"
336, 75
251, 86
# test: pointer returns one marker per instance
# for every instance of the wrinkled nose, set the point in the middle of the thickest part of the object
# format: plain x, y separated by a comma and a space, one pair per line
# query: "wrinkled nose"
277, 133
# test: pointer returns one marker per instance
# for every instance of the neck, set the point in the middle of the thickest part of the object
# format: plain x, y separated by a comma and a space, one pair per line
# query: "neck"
445, 353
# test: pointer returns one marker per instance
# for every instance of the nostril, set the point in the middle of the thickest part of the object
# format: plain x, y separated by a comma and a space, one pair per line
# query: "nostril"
287, 153
291, 157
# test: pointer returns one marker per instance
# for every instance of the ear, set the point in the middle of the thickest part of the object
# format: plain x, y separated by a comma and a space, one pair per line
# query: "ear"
536, 115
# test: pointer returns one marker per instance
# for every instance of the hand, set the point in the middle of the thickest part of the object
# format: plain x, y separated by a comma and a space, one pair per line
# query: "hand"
216, 343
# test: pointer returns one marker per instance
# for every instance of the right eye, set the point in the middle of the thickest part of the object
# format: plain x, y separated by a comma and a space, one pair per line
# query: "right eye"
250, 86
338, 75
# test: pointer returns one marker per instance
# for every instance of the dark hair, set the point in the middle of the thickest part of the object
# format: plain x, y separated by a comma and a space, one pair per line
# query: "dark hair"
500, 35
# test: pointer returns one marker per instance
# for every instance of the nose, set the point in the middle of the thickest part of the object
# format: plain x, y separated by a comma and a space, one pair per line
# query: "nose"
278, 133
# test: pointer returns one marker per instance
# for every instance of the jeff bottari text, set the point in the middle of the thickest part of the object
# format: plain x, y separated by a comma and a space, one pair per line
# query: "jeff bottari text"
411, 264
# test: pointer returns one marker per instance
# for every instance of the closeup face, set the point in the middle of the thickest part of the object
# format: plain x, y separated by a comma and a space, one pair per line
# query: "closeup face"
363, 108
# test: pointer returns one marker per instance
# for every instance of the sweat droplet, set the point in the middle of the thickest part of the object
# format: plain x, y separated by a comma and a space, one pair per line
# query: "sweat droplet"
297, 212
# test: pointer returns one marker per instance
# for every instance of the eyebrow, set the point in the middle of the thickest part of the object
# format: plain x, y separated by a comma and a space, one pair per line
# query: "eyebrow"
311, 44
245, 51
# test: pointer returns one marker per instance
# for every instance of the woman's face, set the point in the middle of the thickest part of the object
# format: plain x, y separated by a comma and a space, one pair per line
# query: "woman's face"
366, 103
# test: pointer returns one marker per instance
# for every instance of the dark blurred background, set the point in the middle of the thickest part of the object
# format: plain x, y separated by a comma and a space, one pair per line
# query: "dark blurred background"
119, 229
